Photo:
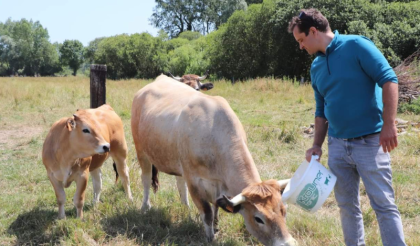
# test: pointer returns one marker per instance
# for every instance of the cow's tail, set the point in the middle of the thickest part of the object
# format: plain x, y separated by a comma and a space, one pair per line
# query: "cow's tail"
116, 172
155, 179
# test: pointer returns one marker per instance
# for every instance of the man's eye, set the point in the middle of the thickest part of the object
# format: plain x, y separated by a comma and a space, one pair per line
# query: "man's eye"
86, 131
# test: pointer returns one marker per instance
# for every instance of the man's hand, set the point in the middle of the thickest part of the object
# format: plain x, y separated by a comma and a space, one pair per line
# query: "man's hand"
388, 138
315, 150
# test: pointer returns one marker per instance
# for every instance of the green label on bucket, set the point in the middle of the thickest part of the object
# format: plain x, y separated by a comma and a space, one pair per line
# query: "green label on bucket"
309, 195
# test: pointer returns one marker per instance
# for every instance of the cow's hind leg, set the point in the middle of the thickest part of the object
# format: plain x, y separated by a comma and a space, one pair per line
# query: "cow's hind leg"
183, 190
60, 194
146, 179
206, 212
122, 169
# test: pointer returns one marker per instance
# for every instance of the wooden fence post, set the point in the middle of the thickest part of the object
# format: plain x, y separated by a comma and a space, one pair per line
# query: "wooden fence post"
97, 85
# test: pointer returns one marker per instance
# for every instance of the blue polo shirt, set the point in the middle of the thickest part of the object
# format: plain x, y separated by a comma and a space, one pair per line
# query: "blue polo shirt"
347, 82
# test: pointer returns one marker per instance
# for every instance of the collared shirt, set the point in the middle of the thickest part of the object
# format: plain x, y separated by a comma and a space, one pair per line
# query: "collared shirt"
347, 83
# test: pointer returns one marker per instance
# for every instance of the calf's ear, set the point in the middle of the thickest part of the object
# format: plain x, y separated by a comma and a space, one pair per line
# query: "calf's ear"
70, 124
227, 205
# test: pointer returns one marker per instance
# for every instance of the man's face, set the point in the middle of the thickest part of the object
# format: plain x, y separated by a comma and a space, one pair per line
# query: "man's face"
307, 43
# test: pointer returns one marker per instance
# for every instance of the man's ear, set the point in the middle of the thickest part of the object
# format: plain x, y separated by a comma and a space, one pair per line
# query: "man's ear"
70, 124
226, 205
313, 30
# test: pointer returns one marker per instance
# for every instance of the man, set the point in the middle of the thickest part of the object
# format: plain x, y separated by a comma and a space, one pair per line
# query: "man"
356, 93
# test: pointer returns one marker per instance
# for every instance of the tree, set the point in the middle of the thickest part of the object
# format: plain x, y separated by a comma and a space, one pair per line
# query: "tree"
128, 56
190, 35
72, 54
249, 2
25, 49
175, 16
90, 50
217, 12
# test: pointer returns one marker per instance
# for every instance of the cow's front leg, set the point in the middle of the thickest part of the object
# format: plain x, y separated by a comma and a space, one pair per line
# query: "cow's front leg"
183, 190
60, 194
79, 196
216, 217
206, 212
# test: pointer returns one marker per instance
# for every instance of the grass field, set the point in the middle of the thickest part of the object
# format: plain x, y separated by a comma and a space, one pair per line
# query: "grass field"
272, 112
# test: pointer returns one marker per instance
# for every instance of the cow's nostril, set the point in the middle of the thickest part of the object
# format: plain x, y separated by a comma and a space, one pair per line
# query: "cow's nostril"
106, 148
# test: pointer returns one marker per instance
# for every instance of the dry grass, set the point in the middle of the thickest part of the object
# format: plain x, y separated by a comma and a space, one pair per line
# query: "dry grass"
272, 112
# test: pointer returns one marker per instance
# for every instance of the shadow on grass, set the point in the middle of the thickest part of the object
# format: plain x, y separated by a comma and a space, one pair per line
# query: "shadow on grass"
41, 226
30, 228
155, 227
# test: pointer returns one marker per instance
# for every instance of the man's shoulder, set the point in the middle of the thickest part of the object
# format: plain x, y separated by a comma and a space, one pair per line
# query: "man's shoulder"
352, 39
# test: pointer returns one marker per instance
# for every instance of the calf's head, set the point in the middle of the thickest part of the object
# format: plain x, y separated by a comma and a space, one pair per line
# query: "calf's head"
85, 135
263, 211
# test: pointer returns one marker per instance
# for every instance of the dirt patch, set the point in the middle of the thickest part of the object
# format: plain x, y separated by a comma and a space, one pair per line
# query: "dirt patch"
10, 138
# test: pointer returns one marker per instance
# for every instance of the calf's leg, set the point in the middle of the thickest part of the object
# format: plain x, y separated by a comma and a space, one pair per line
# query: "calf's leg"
79, 196
122, 169
60, 194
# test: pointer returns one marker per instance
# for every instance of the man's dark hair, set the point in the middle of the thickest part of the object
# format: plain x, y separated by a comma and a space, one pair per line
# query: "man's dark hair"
308, 18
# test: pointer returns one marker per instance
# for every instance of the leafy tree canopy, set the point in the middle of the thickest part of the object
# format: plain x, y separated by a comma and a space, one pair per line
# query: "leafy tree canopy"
72, 54
25, 49
177, 16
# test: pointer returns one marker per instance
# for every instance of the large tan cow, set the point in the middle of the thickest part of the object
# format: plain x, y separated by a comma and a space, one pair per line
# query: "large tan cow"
80, 144
199, 139
194, 81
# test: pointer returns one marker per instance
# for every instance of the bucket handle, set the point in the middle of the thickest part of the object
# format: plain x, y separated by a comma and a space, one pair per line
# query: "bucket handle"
314, 158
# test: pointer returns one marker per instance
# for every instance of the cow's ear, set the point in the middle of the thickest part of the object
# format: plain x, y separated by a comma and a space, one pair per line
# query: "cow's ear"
282, 184
71, 124
226, 205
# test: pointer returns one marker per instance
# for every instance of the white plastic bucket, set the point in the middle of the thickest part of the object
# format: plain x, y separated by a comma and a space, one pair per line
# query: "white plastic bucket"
310, 186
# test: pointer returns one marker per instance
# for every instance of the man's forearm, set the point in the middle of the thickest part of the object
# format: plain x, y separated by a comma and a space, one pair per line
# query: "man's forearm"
390, 100
321, 128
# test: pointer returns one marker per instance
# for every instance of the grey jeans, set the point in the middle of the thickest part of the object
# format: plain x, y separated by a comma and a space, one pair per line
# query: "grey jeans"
364, 158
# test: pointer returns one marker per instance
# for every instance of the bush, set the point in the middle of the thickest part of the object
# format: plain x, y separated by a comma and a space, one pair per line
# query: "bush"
413, 107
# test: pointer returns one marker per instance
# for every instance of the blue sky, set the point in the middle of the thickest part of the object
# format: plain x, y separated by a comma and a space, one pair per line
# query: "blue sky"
83, 20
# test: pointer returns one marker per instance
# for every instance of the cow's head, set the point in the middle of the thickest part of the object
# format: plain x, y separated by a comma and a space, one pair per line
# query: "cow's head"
263, 211
85, 135
194, 81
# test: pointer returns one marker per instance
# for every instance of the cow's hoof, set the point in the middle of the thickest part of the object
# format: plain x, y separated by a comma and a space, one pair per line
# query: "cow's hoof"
210, 239
146, 207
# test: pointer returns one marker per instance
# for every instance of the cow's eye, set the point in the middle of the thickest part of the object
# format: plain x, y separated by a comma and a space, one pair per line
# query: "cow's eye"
86, 131
259, 220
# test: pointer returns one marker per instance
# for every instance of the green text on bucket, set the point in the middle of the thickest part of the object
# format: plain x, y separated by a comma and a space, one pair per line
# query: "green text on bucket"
308, 197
